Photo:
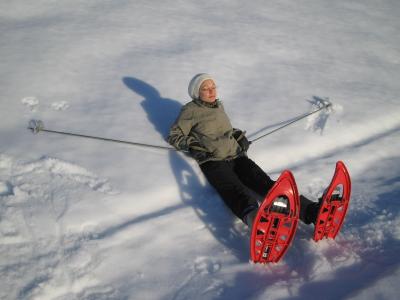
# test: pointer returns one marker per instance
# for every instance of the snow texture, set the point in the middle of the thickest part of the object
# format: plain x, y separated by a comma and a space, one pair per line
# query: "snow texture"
86, 219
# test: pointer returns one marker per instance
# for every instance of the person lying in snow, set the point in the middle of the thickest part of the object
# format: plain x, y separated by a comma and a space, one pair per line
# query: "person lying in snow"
205, 131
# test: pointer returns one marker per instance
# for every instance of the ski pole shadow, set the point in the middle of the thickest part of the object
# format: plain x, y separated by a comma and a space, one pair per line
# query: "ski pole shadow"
162, 112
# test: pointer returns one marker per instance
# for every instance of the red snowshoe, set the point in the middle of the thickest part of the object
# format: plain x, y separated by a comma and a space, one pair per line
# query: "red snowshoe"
276, 221
334, 205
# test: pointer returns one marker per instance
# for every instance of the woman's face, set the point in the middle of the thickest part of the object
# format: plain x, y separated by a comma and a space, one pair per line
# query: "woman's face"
208, 91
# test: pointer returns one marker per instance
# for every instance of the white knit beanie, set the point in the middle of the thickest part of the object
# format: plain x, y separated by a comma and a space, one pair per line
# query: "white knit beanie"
195, 83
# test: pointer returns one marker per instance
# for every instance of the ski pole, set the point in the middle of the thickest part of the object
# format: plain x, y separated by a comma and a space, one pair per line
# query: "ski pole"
37, 126
326, 105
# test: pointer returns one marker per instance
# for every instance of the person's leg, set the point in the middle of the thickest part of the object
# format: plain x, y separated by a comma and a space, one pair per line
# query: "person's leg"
257, 180
235, 194
253, 176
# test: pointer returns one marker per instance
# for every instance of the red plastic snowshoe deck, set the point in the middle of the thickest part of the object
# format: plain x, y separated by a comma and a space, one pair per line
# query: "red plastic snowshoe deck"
273, 231
334, 205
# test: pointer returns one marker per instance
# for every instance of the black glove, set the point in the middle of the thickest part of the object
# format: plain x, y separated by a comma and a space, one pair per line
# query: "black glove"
241, 139
198, 152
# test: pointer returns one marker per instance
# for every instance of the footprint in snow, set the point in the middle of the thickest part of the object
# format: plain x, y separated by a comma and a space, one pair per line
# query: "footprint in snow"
206, 269
71, 172
61, 105
206, 265
30, 102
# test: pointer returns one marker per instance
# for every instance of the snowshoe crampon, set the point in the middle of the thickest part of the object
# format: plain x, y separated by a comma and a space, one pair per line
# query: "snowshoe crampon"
334, 205
275, 224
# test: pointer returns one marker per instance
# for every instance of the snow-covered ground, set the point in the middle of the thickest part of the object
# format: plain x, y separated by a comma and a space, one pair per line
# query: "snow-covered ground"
85, 219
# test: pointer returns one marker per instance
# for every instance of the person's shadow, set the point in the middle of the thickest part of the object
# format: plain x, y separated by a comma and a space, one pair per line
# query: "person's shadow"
162, 112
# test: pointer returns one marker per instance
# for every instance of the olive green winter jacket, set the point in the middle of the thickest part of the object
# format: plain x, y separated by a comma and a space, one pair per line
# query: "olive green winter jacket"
208, 125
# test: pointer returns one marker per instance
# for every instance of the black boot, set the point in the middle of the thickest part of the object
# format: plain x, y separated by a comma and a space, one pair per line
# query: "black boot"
312, 213
308, 210
249, 218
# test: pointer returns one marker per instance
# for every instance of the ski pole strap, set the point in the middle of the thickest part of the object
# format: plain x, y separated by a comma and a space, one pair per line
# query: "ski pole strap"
37, 126
326, 105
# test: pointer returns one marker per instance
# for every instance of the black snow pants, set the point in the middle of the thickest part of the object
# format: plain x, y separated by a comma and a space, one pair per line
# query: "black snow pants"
239, 181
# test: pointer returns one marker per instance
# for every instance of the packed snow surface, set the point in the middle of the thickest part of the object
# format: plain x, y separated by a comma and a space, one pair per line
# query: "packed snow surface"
88, 219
